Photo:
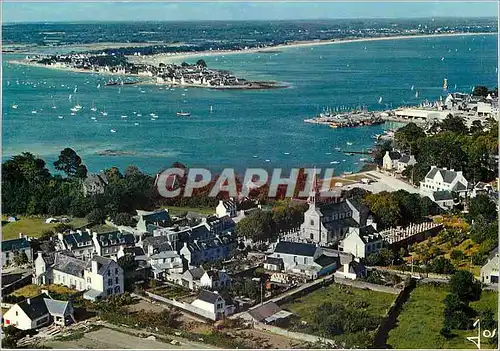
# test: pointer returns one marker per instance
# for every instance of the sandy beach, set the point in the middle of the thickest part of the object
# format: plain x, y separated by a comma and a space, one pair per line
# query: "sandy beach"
176, 57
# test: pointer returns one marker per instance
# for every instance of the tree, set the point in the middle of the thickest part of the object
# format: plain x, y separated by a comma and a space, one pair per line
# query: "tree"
441, 265
384, 257
124, 218
406, 137
20, 258
257, 226
476, 127
185, 64
457, 255
482, 205
96, 216
201, 63
127, 263
465, 286
480, 90
385, 207
70, 163
454, 124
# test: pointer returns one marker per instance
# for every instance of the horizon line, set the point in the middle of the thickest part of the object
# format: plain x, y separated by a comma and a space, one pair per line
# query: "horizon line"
248, 20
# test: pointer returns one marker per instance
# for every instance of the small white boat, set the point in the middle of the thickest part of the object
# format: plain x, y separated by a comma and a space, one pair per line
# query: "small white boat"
254, 156
211, 108
92, 118
139, 115
136, 124
113, 131
124, 116
60, 117
268, 160
33, 112
104, 113
334, 162
183, 114
337, 149
152, 114
286, 153
14, 106
74, 109
73, 114
328, 153
380, 100
349, 143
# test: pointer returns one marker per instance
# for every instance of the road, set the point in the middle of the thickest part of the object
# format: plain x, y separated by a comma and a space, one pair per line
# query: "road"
382, 182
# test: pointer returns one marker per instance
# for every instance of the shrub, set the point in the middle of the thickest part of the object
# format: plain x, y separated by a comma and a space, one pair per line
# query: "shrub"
463, 284
457, 255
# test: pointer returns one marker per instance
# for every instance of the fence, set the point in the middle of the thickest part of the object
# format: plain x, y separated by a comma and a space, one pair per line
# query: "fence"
295, 335
184, 306
365, 285
25, 280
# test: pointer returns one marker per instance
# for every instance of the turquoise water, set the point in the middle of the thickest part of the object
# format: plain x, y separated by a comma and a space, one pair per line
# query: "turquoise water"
243, 124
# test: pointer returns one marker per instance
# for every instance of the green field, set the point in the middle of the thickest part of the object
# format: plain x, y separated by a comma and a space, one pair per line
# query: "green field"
422, 318
31, 226
378, 304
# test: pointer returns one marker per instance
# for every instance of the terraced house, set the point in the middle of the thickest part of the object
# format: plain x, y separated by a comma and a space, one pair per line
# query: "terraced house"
79, 243
108, 244
13, 247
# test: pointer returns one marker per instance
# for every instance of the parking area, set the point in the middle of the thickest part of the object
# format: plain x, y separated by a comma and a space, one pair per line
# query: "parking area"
381, 182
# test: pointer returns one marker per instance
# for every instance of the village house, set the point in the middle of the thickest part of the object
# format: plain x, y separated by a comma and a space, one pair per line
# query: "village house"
165, 262
98, 276
444, 199
108, 244
217, 248
443, 179
79, 243
213, 303
268, 313
39, 311
215, 279
274, 264
190, 278
390, 160
362, 242
150, 220
481, 188
404, 162
95, 184
13, 247
489, 272
226, 208
350, 268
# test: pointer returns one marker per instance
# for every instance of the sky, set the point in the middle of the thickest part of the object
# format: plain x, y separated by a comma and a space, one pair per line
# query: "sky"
20, 11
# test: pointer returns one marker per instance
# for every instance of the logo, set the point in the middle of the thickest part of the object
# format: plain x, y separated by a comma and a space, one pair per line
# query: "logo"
476, 340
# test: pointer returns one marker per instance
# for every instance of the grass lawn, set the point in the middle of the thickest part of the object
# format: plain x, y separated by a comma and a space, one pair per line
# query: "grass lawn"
422, 318
174, 210
34, 290
31, 226
305, 307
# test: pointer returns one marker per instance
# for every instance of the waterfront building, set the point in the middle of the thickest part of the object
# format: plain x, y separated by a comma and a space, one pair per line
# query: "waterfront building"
95, 184
226, 208
390, 160
489, 272
443, 179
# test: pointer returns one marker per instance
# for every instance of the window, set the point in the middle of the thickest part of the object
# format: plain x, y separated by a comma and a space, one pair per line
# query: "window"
116, 280
89, 280
116, 271
109, 273
312, 221
110, 281
117, 289
17, 313
305, 260
312, 236
110, 291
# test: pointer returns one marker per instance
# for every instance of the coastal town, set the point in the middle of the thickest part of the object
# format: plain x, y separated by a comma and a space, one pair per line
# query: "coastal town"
394, 248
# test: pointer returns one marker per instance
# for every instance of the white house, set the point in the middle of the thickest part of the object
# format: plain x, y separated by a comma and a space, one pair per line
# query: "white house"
390, 160
273, 264
103, 277
443, 199
215, 279
108, 244
405, 161
214, 304
489, 272
39, 311
442, 179
149, 219
226, 208
98, 277
165, 262
361, 242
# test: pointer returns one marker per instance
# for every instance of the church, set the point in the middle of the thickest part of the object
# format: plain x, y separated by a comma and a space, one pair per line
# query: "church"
327, 224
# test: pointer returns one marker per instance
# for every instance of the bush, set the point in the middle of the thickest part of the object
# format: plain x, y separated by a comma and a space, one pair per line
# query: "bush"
463, 284
441, 265
457, 255
478, 259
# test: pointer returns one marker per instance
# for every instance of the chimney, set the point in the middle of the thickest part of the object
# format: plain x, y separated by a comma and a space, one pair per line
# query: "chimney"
39, 254
94, 235
28, 301
60, 236
21, 235
95, 267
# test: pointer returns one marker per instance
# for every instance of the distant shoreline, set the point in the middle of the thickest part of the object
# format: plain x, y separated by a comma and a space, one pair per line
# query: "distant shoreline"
171, 57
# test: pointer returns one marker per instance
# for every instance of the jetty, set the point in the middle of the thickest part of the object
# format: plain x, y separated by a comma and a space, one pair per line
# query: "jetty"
356, 118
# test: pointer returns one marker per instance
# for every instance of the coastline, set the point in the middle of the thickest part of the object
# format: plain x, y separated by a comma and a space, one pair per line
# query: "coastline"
173, 57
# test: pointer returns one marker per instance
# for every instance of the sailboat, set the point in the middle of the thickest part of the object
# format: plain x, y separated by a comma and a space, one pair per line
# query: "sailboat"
104, 113
53, 104
69, 97
445, 84
211, 108
412, 87
93, 108
416, 95
380, 100
75, 90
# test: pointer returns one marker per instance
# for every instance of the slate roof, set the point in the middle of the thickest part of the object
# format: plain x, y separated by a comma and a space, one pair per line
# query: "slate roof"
162, 217
299, 249
442, 195
102, 264
15, 244
325, 260
448, 176
274, 260
197, 272
394, 155
56, 307
165, 254
115, 238
404, 159
35, 307
96, 179
160, 243
369, 234
214, 274
264, 311
459, 187
228, 203
68, 264
208, 296
75, 238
